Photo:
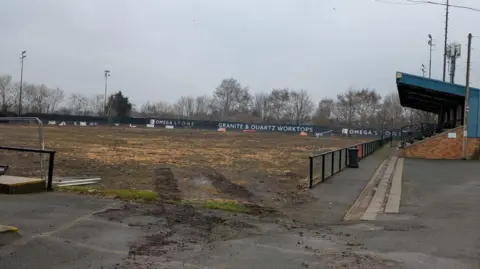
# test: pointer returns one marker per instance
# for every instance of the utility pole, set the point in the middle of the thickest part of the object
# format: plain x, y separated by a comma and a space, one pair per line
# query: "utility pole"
22, 56
445, 41
107, 74
423, 70
467, 94
430, 43
447, 13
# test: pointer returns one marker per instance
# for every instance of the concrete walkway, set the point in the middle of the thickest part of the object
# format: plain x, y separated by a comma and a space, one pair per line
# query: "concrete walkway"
334, 197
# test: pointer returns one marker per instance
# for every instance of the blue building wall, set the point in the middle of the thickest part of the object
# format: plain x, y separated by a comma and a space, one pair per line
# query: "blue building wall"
473, 114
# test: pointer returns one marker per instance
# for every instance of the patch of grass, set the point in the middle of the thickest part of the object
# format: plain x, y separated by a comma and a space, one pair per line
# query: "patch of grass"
134, 194
137, 195
230, 206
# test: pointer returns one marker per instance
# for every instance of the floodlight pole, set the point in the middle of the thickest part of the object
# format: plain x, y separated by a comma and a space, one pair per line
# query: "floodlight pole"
430, 43
22, 56
107, 74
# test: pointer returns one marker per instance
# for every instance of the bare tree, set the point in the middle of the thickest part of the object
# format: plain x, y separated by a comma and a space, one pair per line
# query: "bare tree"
229, 96
79, 104
202, 104
347, 107
367, 106
301, 106
54, 97
185, 107
260, 105
6, 93
159, 109
96, 104
324, 111
392, 111
278, 101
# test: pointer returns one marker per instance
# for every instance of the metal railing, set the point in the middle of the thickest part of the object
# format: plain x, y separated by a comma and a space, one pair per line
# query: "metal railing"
51, 161
420, 131
324, 165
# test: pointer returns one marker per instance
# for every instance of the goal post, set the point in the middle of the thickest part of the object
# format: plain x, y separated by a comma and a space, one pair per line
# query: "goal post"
26, 133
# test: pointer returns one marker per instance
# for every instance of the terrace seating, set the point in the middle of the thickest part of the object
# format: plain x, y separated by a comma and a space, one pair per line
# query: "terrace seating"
421, 131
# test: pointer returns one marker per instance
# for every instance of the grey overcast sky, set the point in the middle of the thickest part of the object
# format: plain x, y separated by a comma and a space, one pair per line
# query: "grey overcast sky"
159, 50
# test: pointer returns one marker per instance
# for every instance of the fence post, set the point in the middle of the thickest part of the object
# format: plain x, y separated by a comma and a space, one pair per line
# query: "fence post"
340, 161
310, 175
346, 157
51, 162
323, 167
333, 163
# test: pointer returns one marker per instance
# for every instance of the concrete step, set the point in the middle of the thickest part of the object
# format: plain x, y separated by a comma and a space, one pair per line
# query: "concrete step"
382, 194
18, 185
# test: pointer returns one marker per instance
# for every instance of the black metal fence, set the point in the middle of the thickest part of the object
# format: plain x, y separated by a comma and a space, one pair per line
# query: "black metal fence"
51, 161
420, 131
324, 165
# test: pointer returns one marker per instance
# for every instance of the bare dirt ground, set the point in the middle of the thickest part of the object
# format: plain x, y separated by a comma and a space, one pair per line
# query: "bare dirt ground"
267, 168
266, 172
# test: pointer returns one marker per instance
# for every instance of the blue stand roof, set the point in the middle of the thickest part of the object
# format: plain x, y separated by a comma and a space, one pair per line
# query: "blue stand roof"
431, 84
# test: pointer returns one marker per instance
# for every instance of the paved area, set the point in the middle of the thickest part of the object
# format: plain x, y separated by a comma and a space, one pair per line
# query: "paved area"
59, 231
63, 231
436, 227
334, 197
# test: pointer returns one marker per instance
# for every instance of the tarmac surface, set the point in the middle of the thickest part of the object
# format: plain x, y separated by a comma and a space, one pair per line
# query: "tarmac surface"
59, 231
437, 227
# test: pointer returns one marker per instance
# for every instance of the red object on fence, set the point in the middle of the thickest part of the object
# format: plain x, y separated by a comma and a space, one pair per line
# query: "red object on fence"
249, 131
359, 147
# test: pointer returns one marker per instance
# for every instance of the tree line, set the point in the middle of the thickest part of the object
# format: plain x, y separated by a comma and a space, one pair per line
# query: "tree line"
230, 101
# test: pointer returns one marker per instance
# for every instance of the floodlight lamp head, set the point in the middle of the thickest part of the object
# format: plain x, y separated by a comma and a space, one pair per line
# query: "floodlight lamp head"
430, 36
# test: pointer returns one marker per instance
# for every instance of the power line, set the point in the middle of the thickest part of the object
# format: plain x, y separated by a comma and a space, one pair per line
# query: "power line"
447, 6
442, 4
422, 2
397, 3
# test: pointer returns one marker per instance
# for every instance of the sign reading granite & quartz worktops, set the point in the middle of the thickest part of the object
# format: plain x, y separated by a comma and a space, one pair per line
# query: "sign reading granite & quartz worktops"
266, 127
